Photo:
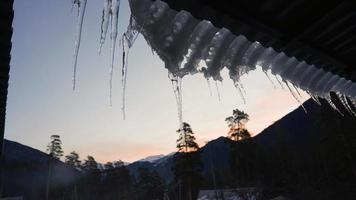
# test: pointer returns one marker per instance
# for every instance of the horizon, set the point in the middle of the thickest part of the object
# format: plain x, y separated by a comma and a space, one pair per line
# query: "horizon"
41, 101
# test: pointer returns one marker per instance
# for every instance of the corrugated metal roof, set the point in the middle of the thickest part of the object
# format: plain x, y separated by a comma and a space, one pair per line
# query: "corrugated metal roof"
319, 32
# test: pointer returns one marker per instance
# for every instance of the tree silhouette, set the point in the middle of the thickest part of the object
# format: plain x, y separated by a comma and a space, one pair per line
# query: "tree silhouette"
186, 141
73, 160
55, 147
149, 185
55, 153
92, 177
236, 122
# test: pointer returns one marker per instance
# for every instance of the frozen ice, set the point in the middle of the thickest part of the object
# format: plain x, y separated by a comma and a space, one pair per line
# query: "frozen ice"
80, 5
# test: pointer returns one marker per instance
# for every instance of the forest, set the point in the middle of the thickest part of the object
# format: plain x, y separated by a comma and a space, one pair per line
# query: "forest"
315, 162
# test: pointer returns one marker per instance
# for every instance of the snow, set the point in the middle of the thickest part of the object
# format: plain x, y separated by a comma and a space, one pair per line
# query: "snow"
190, 46
183, 42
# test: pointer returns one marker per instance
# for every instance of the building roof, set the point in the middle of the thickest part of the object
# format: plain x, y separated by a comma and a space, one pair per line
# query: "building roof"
319, 32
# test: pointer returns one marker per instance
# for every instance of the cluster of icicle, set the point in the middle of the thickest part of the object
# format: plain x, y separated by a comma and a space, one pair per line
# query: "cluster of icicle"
184, 43
189, 46
110, 16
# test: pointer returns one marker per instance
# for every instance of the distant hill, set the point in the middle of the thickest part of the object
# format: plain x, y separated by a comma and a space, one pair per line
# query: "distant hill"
26, 168
297, 127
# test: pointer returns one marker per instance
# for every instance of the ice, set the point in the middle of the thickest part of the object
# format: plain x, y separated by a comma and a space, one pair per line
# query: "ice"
217, 90
114, 10
209, 86
80, 5
280, 83
128, 40
295, 96
177, 89
240, 89
345, 103
105, 22
269, 78
328, 99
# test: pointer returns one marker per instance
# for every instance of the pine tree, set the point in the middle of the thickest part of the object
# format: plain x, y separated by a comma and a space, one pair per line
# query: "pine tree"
236, 122
55, 147
150, 185
186, 141
188, 165
55, 153
92, 178
73, 160
90, 164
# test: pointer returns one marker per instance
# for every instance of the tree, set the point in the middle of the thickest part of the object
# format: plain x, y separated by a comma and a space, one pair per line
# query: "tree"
187, 166
73, 160
149, 185
187, 169
186, 141
92, 178
90, 164
236, 122
55, 153
55, 147
117, 182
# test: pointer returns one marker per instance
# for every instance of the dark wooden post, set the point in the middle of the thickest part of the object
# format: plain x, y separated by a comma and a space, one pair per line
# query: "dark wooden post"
6, 17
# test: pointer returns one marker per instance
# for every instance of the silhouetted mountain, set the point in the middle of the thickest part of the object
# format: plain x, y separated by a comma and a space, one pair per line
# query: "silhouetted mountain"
26, 169
296, 129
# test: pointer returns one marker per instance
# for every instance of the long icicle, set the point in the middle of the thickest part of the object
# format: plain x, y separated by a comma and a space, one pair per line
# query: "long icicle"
104, 23
296, 89
125, 55
314, 98
81, 4
237, 86
128, 39
217, 90
177, 88
209, 86
328, 99
115, 5
280, 83
269, 78
295, 96
346, 104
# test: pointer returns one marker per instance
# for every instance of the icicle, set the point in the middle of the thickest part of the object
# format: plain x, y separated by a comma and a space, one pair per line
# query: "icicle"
239, 89
296, 89
128, 40
209, 86
269, 78
295, 97
81, 4
125, 55
315, 98
104, 22
280, 83
115, 4
328, 99
177, 88
217, 90
346, 104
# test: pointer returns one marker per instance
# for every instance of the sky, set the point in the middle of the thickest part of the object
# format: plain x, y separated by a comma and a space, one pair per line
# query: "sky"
41, 101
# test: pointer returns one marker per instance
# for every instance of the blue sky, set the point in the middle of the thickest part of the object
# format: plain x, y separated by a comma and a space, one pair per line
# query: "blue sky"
41, 101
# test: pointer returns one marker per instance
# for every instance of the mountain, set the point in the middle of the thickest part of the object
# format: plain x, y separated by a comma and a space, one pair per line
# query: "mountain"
296, 128
26, 170
151, 159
